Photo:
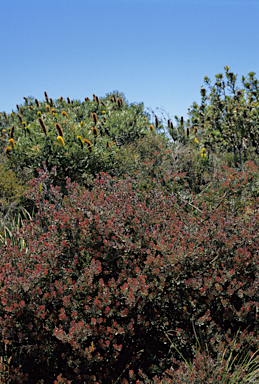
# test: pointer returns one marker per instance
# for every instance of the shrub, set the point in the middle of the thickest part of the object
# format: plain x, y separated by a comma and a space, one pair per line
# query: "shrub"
107, 273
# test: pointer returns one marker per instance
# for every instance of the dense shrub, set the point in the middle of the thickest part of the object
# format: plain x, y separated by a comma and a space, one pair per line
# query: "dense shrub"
80, 139
108, 273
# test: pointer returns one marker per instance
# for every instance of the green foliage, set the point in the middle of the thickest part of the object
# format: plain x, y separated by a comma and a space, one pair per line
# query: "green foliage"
228, 117
92, 134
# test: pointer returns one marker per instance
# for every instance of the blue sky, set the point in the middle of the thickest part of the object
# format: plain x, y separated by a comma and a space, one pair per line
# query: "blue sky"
154, 51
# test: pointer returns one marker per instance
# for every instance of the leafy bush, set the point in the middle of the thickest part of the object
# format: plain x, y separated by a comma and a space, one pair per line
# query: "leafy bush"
107, 273
79, 139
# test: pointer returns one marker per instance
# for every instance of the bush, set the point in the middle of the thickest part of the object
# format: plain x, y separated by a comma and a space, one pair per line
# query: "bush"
79, 139
108, 273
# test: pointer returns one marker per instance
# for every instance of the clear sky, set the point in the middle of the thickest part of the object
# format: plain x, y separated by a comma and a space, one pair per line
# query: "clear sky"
154, 51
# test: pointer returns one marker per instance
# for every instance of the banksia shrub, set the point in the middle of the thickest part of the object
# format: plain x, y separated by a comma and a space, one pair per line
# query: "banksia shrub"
59, 129
94, 131
64, 114
43, 126
94, 117
60, 141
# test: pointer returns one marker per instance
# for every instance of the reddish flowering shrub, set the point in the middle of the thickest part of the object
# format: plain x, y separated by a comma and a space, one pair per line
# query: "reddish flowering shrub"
109, 272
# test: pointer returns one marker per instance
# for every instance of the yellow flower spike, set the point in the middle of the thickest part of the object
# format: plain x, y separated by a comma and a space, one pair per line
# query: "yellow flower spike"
11, 142
24, 124
82, 123
53, 110
60, 141
3, 130
79, 138
39, 113
48, 108
103, 112
151, 127
64, 114
196, 141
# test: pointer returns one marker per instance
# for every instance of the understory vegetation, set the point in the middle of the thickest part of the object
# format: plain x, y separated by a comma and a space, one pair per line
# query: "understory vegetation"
129, 240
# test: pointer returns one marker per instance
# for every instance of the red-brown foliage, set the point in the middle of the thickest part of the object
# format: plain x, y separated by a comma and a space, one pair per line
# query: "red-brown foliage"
108, 272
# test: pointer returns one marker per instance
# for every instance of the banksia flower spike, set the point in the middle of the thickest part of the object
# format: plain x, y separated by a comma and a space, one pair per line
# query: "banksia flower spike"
171, 125
97, 99
12, 132
11, 142
64, 114
103, 103
37, 103
5, 115
51, 101
43, 126
95, 132
187, 132
111, 99
151, 127
30, 107
20, 117
48, 108
46, 97
94, 117
68, 100
203, 152
87, 99
17, 106
61, 98
60, 141
79, 138
181, 122
119, 102
89, 144
114, 98
59, 129
94, 97
53, 110
196, 141
8, 151
156, 121
26, 100
195, 129
168, 123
